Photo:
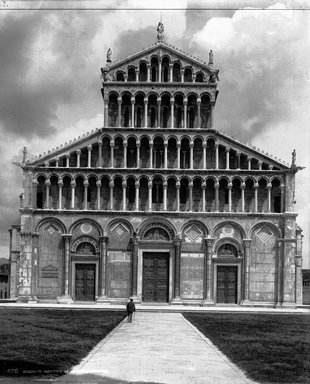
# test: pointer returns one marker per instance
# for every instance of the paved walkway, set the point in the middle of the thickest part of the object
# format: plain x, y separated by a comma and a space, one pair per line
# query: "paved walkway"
155, 348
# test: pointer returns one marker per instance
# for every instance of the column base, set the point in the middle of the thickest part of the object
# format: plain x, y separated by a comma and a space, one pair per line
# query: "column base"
288, 304
64, 299
176, 301
27, 299
246, 303
208, 303
103, 300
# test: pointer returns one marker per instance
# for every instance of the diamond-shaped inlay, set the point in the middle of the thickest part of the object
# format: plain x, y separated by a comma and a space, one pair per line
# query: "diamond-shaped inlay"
193, 232
51, 229
120, 229
264, 234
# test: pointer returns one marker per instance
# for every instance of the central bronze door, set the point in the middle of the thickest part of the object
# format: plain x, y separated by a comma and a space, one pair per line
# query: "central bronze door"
85, 277
155, 277
227, 284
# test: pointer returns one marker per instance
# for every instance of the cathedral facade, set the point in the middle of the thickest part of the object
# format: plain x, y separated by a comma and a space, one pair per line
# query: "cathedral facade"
157, 205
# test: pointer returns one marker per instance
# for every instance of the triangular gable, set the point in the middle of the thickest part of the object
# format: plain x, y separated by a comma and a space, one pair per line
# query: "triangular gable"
163, 48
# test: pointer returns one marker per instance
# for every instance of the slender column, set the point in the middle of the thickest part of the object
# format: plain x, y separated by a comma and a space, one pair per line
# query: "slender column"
238, 154
199, 112
229, 196
216, 187
138, 153
208, 272
242, 196
119, 102
185, 112
260, 164
191, 157
179, 154
211, 115
137, 74
165, 184
112, 144
67, 160
246, 266
89, 147
269, 186
172, 112
150, 186
57, 162
145, 111
137, 185
125, 153
124, 185
103, 270
103, 123
60, 184
227, 158
255, 196
171, 73
182, 75
111, 185
165, 154
78, 158
148, 66
159, 70
178, 186
106, 114
204, 155
66, 238
100, 154
85, 193
249, 162
191, 184
216, 155
282, 198
125, 77
47, 186
132, 112
151, 154
98, 184
158, 111
73, 185
203, 187
134, 275
177, 268
34, 193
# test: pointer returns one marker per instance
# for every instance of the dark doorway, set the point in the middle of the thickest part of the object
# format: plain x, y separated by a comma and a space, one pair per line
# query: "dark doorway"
85, 277
155, 277
227, 284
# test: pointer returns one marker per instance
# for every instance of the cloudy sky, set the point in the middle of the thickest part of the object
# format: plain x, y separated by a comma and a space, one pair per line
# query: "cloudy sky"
50, 75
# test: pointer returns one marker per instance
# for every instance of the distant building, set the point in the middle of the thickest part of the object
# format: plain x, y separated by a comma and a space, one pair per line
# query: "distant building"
158, 204
306, 286
4, 278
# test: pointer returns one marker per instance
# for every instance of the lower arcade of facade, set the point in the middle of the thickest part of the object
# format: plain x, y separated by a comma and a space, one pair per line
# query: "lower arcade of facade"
203, 259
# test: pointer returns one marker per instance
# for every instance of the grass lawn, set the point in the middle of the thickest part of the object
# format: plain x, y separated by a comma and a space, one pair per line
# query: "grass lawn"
43, 341
268, 347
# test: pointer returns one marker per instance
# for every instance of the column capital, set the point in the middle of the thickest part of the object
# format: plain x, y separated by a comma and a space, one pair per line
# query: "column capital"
98, 183
216, 185
124, 183
179, 144
132, 100
47, 183
111, 184
119, 100
66, 236
150, 184
73, 183
191, 144
100, 142
229, 186
151, 143
269, 186
185, 100
256, 185
35, 182
242, 185
204, 144
178, 185
137, 70
89, 147
216, 144
250, 158
165, 184
46, 163
172, 100
203, 185
165, 143
86, 183
199, 100
191, 184
104, 239
158, 100
137, 184
67, 155
145, 100
138, 144
177, 240
227, 149
60, 183
247, 242
112, 143
209, 241
125, 143
78, 151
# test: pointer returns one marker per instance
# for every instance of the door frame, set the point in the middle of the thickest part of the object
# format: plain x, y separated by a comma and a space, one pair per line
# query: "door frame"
156, 250
96, 262
227, 264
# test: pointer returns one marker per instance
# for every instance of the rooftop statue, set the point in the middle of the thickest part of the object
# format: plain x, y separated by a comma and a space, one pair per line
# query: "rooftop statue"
293, 159
160, 33
210, 57
109, 53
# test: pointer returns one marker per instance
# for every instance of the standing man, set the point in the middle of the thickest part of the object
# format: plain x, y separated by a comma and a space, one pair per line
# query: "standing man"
130, 308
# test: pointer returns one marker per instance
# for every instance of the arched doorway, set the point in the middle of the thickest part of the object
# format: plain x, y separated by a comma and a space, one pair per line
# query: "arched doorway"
227, 274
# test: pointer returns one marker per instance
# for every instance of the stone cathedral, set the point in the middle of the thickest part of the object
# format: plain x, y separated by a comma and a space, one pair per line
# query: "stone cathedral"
158, 204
